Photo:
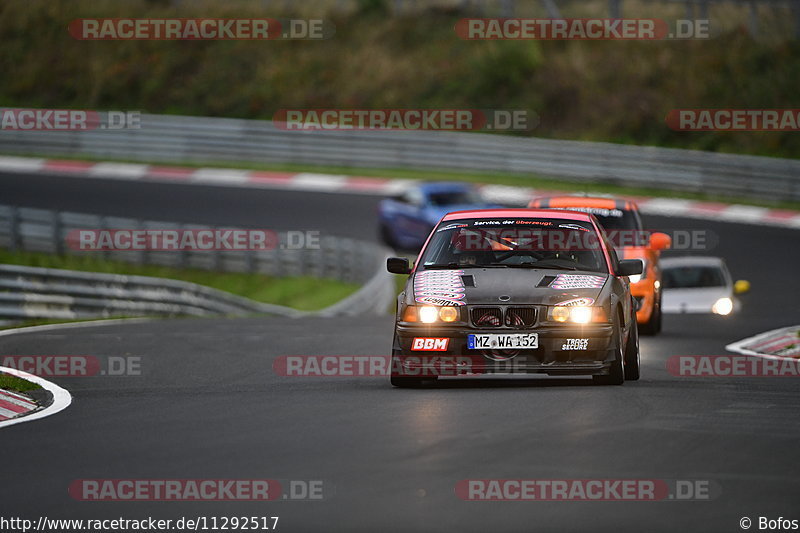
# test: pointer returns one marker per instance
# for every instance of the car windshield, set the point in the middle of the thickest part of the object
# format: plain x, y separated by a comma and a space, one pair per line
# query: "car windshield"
693, 277
612, 219
466, 196
515, 243
623, 226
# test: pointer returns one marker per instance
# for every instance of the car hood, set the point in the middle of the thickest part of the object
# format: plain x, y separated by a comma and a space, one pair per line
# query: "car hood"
520, 285
699, 300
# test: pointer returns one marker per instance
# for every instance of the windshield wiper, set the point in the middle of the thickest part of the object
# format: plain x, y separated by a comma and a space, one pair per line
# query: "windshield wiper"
537, 265
445, 265
450, 265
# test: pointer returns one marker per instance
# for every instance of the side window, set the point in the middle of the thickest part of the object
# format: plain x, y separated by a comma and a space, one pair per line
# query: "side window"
611, 252
414, 197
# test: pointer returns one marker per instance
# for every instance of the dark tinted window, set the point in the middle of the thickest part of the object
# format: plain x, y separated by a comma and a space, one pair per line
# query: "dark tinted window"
454, 197
693, 277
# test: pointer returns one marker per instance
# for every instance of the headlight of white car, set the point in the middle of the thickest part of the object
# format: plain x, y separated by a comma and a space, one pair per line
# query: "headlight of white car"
723, 306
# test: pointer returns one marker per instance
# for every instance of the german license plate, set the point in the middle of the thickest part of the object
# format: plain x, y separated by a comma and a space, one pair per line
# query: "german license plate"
502, 341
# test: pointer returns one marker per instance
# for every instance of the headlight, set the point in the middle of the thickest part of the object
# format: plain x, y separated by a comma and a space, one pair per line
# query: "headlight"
448, 314
723, 306
429, 314
577, 315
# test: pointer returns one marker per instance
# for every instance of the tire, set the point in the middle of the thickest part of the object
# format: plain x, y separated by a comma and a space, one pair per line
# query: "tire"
616, 374
386, 236
653, 326
632, 354
405, 383
397, 379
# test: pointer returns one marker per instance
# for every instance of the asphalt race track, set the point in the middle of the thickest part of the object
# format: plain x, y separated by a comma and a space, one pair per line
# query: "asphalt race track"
209, 405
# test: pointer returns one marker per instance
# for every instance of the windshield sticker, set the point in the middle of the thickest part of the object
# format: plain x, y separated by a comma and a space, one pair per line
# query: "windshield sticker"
575, 302
508, 222
452, 226
598, 211
439, 287
577, 281
573, 226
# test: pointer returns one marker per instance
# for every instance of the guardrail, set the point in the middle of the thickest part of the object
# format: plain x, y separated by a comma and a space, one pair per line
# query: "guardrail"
32, 292
212, 140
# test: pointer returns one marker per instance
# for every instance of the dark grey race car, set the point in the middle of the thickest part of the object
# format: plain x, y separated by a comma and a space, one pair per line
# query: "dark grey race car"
516, 291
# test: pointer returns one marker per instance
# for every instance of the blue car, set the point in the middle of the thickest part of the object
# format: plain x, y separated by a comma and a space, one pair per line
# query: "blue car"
407, 219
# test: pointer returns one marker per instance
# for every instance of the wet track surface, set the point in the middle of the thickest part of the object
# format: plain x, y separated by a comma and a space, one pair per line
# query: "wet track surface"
209, 405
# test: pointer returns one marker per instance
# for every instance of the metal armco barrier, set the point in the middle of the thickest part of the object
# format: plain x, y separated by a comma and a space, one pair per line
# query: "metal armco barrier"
30, 292
176, 139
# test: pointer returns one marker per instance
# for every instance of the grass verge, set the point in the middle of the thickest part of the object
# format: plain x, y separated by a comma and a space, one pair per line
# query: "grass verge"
16, 384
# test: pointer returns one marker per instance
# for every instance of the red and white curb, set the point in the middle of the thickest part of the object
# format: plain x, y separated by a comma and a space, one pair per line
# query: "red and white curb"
13, 405
61, 397
781, 343
61, 400
331, 183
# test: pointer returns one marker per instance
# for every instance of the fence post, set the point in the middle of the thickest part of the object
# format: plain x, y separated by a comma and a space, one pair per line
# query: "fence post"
552, 9
183, 254
704, 9
13, 229
796, 12
615, 9
58, 248
689, 5
753, 21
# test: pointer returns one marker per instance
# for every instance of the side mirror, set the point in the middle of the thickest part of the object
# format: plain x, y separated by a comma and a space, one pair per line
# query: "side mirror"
630, 267
398, 265
660, 241
741, 286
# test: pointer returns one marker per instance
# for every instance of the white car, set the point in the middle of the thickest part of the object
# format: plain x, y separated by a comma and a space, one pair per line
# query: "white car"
696, 284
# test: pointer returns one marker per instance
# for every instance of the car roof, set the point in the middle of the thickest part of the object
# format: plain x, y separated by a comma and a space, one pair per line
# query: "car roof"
692, 260
519, 213
586, 201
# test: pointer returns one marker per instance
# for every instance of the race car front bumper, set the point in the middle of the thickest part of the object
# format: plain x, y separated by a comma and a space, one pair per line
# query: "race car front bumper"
562, 350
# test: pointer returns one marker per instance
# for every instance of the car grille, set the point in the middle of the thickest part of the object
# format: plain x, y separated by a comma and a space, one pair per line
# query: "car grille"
517, 317
487, 317
496, 317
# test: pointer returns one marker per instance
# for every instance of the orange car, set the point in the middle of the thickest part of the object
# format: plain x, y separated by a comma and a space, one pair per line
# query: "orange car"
621, 221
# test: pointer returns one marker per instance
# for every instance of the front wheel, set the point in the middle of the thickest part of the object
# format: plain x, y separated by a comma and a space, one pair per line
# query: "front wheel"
632, 354
616, 374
